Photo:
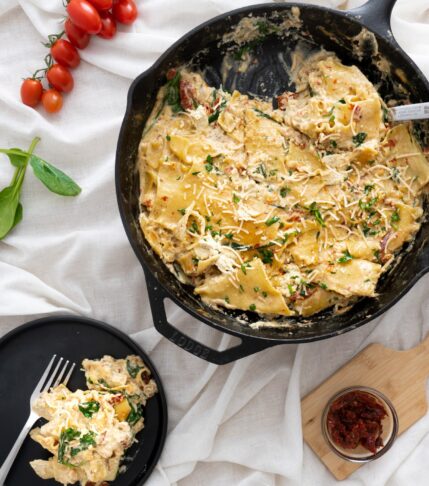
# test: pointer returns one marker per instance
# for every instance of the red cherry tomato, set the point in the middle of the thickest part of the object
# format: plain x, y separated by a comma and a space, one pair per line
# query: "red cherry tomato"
78, 37
102, 5
109, 25
31, 91
85, 16
52, 100
60, 78
65, 53
125, 11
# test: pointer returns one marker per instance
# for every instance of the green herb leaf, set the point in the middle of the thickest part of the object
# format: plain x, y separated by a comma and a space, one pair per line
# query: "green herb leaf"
266, 254
54, 179
368, 188
133, 370
182, 211
284, 191
89, 408
235, 199
265, 115
395, 217
359, 138
173, 93
252, 307
346, 257
314, 210
261, 170
271, 221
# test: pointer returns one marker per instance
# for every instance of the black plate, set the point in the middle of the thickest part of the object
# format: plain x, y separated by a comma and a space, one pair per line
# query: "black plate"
25, 353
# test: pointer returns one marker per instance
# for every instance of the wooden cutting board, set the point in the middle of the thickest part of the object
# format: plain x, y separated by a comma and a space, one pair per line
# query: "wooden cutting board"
400, 375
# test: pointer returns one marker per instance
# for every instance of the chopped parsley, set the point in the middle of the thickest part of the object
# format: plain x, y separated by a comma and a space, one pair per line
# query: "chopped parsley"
168, 138
271, 221
368, 205
229, 236
256, 289
226, 299
314, 210
209, 165
261, 170
323, 286
194, 227
368, 188
196, 173
346, 257
342, 101
182, 211
284, 191
359, 138
235, 199
264, 294
395, 217
266, 255
264, 115
252, 307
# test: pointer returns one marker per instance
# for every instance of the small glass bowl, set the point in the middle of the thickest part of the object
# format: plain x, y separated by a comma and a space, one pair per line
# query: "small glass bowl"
389, 423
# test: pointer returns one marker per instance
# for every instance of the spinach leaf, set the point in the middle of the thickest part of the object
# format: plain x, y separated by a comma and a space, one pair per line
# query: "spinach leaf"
136, 412
54, 179
346, 257
133, 370
89, 408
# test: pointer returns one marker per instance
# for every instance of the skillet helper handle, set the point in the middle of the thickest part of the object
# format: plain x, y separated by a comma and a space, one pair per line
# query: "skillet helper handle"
376, 14
156, 298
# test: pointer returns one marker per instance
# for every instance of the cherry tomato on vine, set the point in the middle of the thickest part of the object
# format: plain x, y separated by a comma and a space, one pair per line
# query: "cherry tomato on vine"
31, 91
102, 5
125, 11
78, 37
52, 100
60, 78
84, 15
109, 25
65, 53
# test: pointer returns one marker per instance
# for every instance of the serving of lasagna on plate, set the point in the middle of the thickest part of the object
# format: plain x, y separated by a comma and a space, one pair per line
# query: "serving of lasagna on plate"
285, 211
88, 431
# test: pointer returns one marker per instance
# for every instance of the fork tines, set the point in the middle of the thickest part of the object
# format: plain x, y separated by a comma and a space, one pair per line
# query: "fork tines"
54, 378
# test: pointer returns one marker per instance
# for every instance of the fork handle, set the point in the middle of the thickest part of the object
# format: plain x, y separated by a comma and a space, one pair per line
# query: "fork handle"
4, 470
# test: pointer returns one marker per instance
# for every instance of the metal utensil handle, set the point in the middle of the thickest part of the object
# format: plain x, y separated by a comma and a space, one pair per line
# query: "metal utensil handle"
376, 15
245, 348
4, 470
418, 111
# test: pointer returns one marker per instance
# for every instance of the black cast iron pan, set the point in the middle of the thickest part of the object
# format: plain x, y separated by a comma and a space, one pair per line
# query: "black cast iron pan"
334, 30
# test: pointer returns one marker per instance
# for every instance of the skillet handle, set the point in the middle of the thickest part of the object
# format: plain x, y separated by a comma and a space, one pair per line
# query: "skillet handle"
376, 14
157, 295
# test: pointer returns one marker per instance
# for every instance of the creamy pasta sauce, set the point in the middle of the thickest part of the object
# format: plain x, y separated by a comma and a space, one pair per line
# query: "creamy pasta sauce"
283, 211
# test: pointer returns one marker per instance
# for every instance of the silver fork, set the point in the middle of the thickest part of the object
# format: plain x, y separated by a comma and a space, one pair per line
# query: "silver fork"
45, 383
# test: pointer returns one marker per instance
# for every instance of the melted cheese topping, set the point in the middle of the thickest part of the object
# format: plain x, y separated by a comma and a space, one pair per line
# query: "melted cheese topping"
88, 431
283, 211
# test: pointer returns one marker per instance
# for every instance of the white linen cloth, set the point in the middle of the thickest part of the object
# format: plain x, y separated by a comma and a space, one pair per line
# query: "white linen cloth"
237, 424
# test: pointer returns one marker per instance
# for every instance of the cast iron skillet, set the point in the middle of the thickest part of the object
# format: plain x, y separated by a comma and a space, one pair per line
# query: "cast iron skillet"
322, 26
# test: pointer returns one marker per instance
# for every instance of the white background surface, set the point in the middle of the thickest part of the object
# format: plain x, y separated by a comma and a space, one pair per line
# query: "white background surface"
233, 425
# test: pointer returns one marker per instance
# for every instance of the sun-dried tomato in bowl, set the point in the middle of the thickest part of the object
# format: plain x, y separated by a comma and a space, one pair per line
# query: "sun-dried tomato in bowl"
356, 419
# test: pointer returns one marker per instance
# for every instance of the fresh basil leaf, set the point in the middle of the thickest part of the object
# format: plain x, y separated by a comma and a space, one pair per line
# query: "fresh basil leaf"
9, 202
54, 179
16, 159
18, 216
